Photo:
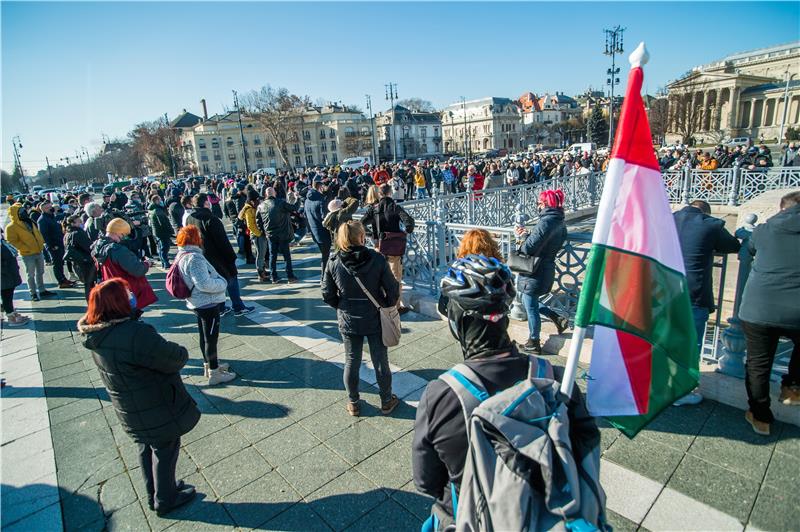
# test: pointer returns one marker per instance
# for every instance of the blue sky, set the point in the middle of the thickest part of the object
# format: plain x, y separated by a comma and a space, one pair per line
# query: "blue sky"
73, 70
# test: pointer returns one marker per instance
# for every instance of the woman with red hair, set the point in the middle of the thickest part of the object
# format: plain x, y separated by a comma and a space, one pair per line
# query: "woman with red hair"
544, 242
141, 372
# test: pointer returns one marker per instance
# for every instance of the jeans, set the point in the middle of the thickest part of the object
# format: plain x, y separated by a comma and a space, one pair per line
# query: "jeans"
259, 245
353, 348
422, 193
158, 461
700, 316
208, 325
233, 293
163, 251
531, 304
762, 343
277, 246
57, 256
34, 268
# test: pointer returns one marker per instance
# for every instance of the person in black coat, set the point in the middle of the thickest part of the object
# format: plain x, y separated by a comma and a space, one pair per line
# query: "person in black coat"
175, 210
10, 279
141, 372
78, 250
439, 448
770, 309
274, 218
217, 249
54, 242
544, 241
316, 208
357, 315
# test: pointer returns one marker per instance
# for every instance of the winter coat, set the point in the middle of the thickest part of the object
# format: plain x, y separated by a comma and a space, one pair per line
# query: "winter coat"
141, 371
440, 444
176, 212
77, 246
116, 260
701, 236
336, 218
9, 268
24, 236
276, 218
387, 215
216, 246
772, 292
207, 286
545, 241
355, 312
159, 221
51, 231
96, 227
248, 216
315, 209
494, 180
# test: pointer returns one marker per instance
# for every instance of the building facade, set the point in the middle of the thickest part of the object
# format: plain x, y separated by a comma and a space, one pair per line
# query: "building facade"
749, 94
481, 125
405, 134
321, 136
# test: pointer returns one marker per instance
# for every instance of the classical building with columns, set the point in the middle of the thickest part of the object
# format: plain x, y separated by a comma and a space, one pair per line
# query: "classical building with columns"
749, 94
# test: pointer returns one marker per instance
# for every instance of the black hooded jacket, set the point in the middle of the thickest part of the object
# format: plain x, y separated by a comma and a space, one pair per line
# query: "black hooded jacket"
217, 248
356, 313
545, 241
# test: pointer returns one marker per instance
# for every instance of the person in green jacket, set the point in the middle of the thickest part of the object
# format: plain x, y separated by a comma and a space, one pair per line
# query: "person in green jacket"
162, 228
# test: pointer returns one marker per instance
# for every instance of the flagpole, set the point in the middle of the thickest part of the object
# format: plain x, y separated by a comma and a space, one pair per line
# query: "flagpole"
601, 229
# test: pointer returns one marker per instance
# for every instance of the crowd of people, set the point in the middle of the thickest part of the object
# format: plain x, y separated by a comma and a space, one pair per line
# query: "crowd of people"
110, 246
755, 158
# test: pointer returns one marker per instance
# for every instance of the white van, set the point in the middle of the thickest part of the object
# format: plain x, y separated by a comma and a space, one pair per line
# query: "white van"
579, 148
352, 163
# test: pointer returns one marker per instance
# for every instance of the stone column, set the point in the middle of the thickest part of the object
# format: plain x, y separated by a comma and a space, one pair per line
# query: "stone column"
734, 108
751, 123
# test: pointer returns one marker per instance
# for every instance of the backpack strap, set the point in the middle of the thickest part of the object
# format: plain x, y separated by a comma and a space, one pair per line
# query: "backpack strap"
539, 368
467, 387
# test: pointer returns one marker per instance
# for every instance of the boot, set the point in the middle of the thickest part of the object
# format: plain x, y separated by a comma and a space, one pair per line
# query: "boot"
533, 347
262, 276
562, 323
219, 376
207, 370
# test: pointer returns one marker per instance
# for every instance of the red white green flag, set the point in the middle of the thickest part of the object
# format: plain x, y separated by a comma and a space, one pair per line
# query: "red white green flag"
644, 353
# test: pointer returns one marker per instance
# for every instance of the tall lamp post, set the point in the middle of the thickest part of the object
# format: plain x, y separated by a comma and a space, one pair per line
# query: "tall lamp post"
466, 136
241, 131
613, 48
17, 144
785, 104
391, 96
372, 129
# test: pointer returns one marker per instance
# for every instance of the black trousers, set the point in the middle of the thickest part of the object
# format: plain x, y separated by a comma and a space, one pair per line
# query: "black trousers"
87, 273
325, 249
762, 343
57, 256
208, 324
158, 461
8, 299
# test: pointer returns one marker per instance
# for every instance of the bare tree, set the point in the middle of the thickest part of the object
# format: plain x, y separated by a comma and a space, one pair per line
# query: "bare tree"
279, 112
417, 105
686, 106
155, 143
659, 116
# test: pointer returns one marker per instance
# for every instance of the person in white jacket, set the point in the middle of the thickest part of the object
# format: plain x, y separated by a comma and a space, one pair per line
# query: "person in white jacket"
206, 300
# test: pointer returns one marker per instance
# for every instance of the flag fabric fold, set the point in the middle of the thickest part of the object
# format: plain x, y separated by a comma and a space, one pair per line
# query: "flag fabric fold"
644, 353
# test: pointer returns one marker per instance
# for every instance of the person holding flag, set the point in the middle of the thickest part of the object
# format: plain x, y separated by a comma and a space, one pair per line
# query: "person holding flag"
635, 293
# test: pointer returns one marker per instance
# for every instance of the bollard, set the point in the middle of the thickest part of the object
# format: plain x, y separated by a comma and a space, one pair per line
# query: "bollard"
687, 185
734, 347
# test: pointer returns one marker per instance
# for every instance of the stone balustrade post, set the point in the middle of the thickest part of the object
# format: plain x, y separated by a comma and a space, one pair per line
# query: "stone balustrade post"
687, 185
733, 197
734, 347
593, 188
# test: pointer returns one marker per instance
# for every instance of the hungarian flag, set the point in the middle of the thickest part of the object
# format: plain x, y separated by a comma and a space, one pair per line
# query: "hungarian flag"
644, 353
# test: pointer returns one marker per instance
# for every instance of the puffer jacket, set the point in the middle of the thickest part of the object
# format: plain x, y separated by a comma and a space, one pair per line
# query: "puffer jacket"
25, 237
207, 286
248, 216
545, 241
141, 371
275, 216
51, 231
159, 221
355, 312
116, 260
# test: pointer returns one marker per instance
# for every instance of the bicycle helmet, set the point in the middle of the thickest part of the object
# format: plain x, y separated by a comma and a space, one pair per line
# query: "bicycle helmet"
480, 286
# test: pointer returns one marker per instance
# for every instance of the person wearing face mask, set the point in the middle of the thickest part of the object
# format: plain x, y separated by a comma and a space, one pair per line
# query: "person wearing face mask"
161, 228
54, 242
117, 260
78, 251
24, 235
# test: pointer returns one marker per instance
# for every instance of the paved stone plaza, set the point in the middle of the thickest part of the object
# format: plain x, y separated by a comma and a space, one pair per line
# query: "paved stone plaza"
275, 449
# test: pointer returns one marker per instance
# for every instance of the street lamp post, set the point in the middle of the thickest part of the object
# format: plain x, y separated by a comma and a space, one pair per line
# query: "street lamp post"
613, 47
241, 131
391, 96
466, 138
785, 105
17, 144
372, 129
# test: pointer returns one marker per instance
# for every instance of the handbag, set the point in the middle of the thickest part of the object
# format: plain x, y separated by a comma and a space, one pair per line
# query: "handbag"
390, 243
519, 262
390, 319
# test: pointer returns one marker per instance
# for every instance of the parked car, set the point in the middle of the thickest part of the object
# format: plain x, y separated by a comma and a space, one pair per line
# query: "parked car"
738, 141
353, 163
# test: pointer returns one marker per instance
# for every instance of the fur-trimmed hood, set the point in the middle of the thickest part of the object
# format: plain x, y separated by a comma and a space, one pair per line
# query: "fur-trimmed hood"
85, 328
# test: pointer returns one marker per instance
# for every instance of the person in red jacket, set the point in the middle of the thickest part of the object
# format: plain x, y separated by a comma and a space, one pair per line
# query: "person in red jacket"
381, 176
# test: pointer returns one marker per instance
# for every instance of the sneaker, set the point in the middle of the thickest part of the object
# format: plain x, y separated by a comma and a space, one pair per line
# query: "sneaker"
562, 324
790, 395
225, 311
691, 398
353, 409
35, 297
276, 279
219, 376
533, 347
224, 366
759, 427
388, 408
46, 293
182, 497
243, 311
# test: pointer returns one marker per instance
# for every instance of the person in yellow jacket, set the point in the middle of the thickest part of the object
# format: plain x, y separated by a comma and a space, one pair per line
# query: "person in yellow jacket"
257, 238
23, 234
420, 183
708, 162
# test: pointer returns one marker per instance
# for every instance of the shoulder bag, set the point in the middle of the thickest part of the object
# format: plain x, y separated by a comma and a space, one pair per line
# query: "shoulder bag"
390, 243
519, 262
390, 318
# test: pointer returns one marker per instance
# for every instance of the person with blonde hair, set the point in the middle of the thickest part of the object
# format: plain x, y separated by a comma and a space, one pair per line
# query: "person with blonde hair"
373, 195
206, 300
357, 316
